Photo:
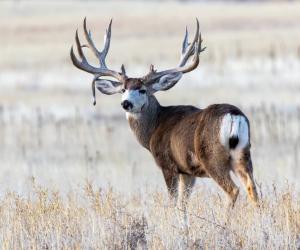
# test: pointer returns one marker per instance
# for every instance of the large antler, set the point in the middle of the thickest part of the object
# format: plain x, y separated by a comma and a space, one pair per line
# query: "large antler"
101, 55
188, 50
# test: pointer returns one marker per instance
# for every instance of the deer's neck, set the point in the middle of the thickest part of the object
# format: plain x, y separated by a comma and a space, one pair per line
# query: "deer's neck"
144, 123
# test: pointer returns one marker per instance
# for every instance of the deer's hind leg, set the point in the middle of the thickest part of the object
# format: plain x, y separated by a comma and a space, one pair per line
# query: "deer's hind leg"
216, 164
223, 179
242, 166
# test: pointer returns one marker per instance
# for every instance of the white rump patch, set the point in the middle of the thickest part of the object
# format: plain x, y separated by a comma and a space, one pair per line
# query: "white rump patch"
234, 126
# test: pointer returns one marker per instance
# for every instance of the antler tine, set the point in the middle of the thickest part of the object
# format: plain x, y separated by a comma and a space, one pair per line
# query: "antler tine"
107, 40
200, 47
79, 46
185, 42
123, 69
191, 47
88, 37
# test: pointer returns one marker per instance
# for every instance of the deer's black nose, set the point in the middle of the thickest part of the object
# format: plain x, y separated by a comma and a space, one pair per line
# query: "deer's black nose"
127, 105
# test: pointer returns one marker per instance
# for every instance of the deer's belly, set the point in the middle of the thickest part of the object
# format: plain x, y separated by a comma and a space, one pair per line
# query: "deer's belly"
188, 163
183, 152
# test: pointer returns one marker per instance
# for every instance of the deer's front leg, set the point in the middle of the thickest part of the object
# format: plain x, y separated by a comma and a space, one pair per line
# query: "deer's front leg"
185, 186
171, 179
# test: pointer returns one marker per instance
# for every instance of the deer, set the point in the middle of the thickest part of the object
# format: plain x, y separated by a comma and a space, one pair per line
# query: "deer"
185, 141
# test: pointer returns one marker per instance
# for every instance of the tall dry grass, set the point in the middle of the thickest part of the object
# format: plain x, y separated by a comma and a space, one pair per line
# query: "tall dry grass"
93, 218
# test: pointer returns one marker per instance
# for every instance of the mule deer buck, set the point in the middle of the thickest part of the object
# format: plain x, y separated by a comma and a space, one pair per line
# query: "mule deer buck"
185, 141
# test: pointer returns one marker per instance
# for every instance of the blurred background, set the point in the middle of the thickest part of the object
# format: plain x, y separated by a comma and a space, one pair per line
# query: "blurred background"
50, 130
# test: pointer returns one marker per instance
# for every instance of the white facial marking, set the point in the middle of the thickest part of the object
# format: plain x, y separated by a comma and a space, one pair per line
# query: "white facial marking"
138, 100
234, 125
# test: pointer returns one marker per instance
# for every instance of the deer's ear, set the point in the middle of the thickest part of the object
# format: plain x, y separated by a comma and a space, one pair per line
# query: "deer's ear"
166, 82
108, 87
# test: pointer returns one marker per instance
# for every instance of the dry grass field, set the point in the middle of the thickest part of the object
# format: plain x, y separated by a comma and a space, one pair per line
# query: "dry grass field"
72, 176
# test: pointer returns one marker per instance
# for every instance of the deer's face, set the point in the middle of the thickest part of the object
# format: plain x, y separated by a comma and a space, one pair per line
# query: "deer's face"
134, 96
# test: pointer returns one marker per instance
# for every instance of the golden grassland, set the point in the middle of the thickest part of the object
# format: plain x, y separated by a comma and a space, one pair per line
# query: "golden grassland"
92, 218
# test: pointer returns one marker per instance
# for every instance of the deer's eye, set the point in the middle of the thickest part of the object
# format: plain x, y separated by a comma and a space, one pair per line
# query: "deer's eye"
142, 91
123, 90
